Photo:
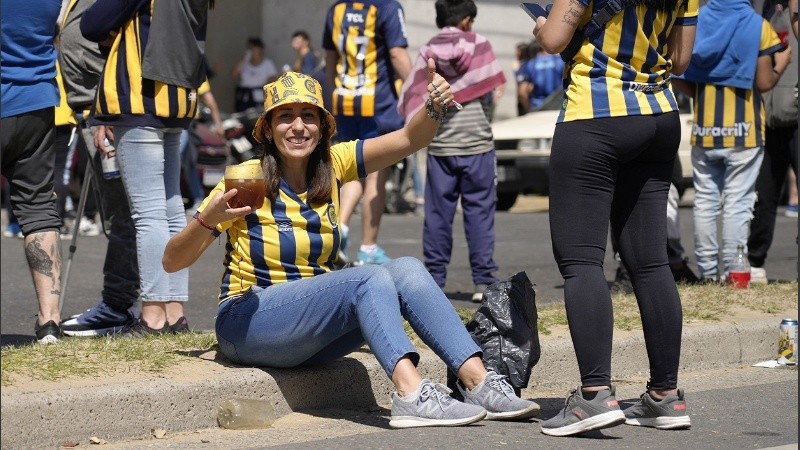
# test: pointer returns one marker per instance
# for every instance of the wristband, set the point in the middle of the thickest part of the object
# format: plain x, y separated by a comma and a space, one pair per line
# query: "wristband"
438, 116
202, 222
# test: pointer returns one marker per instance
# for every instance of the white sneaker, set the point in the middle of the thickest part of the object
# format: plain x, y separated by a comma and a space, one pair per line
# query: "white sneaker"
758, 275
88, 227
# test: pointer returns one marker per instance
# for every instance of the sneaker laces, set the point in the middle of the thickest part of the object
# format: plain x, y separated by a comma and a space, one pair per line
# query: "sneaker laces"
500, 383
569, 398
436, 391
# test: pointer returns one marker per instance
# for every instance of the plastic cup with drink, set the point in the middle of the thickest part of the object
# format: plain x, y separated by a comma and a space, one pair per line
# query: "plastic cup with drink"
249, 182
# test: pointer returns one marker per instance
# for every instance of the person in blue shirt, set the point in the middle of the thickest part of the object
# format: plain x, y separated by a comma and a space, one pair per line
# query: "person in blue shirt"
29, 94
538, 77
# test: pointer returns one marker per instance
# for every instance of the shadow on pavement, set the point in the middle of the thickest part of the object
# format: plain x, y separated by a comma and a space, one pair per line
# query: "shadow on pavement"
16, 339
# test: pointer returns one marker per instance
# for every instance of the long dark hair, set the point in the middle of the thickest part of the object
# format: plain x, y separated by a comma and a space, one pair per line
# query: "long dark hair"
318, 175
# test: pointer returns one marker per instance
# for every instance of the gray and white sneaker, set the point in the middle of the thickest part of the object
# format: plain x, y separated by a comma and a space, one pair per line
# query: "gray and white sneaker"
580, 415
431, 406
667, 414
496, 395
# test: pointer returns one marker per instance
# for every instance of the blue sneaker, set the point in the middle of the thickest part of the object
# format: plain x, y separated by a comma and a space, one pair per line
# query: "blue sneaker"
341, 257
99, 321
12, 230
791, 210
377, 256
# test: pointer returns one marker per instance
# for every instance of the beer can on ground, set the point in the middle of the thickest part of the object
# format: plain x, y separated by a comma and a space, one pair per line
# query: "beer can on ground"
787, 344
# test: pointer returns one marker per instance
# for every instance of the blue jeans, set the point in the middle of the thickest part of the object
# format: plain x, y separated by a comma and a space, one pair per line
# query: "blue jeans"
724, 183
149, 161
320, 319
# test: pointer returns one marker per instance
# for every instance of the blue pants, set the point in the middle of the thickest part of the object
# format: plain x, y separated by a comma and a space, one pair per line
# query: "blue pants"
320, 319
472, 178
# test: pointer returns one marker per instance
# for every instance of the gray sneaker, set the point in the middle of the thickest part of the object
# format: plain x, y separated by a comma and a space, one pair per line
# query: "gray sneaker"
580, 415
667, 414
496, 395
431, 406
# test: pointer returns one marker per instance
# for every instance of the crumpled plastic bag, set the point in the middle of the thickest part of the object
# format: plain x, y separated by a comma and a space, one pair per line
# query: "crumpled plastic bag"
505, 327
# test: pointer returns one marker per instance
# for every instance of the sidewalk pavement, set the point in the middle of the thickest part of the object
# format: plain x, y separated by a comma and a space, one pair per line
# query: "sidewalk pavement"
114, 408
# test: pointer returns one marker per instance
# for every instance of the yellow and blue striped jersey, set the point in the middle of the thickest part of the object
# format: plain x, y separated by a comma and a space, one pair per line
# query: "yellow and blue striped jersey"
124, 97
624, 69
362, 32
727, 117
287, 239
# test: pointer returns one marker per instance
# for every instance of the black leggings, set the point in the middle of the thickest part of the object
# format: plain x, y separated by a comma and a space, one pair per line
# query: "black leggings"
617, 171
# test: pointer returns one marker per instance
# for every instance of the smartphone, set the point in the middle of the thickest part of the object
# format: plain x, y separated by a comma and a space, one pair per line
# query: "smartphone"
534, 10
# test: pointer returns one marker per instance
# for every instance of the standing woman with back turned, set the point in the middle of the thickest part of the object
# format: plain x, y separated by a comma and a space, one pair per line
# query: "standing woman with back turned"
613, 150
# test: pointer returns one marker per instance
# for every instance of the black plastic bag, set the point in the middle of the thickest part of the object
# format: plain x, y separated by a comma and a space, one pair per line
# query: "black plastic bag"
505, 327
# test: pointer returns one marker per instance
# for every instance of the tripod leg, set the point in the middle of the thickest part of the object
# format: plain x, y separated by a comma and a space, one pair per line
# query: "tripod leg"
87, 181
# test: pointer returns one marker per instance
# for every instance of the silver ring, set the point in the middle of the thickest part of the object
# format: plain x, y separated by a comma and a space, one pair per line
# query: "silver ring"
436, 92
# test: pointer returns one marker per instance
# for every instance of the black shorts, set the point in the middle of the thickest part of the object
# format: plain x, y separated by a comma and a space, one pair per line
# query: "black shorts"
27, 142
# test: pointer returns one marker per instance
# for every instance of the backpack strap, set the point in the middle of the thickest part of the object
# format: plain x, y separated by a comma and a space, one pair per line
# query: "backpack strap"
595, 24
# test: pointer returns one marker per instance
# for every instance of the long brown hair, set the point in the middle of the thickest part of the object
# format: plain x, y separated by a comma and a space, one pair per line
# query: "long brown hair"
318, 175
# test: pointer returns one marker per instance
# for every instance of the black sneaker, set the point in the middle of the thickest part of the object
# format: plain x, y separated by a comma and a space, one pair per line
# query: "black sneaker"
48, 333
580, 415
667, 414
180, 326
684, 274
141, 329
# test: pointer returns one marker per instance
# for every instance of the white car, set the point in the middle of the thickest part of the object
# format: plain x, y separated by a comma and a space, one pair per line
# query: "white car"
523, 151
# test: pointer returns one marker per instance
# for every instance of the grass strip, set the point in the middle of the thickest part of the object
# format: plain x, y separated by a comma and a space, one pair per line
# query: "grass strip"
95, 357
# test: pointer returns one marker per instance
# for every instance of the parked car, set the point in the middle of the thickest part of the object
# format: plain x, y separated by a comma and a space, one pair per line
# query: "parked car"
523, 150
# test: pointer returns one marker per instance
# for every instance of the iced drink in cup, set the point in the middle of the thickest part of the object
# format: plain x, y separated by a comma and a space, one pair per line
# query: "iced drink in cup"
250, 184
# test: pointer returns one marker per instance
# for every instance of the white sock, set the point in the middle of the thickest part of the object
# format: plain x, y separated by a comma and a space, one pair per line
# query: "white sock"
345, 229
368, 248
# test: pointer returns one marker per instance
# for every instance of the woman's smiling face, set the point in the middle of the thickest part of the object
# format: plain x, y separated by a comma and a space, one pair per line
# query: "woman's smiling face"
296, 129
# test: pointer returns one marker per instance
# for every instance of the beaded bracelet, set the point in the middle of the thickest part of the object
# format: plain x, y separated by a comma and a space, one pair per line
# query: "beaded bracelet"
438, 116
202, 222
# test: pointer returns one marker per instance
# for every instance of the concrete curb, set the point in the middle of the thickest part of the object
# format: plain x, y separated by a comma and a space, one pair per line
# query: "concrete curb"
113, 410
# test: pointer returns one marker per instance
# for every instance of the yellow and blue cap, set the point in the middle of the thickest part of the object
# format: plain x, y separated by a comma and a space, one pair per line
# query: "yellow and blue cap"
292, 87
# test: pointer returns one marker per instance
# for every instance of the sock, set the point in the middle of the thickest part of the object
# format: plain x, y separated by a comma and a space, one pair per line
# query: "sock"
368, 248
345, 229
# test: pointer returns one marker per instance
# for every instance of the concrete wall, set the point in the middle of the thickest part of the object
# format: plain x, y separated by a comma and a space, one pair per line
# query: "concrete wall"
233, 21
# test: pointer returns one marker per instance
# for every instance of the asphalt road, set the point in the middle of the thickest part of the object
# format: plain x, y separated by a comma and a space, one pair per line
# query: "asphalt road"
730, 408
523, 244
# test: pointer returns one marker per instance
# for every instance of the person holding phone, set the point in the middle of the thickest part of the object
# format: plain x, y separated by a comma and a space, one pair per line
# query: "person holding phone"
612, 157
282, 304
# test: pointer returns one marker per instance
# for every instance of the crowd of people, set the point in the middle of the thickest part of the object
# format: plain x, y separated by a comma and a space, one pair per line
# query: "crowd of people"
331, 125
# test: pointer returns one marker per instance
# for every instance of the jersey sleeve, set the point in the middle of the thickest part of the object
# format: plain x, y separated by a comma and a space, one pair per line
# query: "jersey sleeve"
687, 13
393, 24
770, 42
347, 159
327, 35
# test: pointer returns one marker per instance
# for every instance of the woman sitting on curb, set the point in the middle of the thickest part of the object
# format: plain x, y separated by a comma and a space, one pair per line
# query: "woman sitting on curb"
281, 302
